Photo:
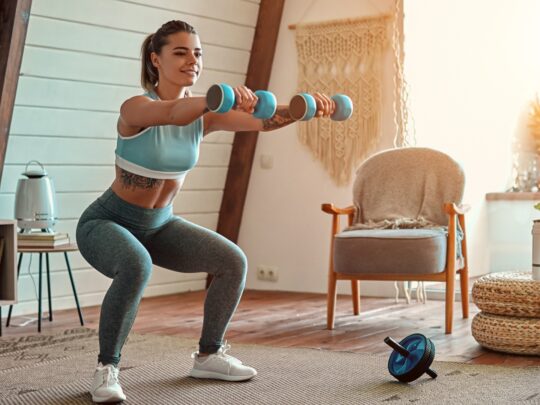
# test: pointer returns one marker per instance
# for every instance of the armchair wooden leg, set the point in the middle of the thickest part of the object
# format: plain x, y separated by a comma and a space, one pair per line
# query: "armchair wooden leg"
355, 296
464, 288
464, 272
331, 304
450, 294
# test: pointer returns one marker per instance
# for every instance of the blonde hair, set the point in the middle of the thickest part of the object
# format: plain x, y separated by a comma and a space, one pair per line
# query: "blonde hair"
153, 43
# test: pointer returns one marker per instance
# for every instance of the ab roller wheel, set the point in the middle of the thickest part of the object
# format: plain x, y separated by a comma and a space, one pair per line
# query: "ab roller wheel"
411, 357
303, 107
220, 99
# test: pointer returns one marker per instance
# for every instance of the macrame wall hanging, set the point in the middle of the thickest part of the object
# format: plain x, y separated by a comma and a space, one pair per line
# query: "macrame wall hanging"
343, 56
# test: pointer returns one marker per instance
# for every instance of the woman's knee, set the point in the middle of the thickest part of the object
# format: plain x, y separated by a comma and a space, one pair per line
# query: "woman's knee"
137, 266
235, 262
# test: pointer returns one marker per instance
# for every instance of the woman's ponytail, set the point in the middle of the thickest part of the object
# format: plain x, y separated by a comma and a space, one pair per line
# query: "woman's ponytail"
149, 73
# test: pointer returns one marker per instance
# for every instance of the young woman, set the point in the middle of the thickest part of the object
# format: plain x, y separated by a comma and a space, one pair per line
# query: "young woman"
131, 226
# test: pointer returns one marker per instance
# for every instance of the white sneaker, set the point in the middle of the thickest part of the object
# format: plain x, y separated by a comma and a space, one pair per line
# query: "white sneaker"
221, 366
106, 387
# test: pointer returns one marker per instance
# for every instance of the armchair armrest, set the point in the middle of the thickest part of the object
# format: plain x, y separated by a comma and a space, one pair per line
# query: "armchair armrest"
330, 209
453, 209
336, 212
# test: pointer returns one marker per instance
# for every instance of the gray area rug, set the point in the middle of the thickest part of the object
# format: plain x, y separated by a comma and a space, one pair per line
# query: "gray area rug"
57, 369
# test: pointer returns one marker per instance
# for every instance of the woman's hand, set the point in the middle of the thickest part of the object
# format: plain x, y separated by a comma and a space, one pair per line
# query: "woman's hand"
245, 99
325, 105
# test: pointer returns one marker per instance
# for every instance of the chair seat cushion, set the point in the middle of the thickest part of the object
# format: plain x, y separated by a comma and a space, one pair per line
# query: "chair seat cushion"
392, 251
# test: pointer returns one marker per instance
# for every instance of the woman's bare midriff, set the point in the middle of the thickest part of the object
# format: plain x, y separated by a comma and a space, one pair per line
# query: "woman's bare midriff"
144, 191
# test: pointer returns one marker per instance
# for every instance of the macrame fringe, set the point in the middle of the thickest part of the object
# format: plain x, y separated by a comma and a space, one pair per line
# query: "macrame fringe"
343, 56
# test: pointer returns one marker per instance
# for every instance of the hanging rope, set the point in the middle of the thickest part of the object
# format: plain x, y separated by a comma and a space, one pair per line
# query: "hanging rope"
403, 137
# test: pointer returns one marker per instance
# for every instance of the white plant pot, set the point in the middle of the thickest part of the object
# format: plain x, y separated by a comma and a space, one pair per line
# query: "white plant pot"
536, 250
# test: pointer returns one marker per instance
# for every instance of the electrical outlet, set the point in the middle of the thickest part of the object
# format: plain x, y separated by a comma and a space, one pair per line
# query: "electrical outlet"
272, 273
261, 273
267, 273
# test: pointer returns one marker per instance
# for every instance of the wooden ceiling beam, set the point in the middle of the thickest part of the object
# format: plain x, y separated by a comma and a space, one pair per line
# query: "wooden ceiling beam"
243, 150
14, 17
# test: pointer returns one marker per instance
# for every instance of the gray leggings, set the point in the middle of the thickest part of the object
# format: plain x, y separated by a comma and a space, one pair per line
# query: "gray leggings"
122, 241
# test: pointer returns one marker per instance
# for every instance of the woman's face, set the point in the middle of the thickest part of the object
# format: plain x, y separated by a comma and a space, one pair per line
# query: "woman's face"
180, 61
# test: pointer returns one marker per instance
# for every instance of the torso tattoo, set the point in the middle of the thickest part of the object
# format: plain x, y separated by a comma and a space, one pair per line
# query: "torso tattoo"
133, 181
280, 119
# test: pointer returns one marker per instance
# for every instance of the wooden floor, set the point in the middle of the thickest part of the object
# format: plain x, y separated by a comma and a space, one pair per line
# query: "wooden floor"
288, 319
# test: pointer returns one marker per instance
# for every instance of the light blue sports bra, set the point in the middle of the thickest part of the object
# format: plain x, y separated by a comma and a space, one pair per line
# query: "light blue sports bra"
160, 152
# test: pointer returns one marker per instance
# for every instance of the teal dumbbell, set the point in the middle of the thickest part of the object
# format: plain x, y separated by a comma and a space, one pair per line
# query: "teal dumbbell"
303, 107
220, 99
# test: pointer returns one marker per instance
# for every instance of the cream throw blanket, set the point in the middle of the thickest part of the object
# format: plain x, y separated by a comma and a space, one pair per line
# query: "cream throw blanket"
407, 184
342, 56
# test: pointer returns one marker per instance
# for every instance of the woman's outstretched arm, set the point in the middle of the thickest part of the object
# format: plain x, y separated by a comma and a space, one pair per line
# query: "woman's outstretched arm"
142, 112
242, 121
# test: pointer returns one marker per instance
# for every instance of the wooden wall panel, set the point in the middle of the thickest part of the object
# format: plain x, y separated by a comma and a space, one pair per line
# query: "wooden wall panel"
91, 178
126, 16
79, 38
88, 151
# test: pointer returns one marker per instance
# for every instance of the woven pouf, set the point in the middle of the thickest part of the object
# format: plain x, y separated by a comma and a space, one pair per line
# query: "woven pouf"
514, 294
510, 317
508, 334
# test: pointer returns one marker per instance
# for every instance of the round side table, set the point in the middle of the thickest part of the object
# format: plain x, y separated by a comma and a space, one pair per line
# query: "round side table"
71, 247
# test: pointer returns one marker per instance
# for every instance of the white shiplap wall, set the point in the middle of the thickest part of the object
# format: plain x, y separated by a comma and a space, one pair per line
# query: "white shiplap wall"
81, 61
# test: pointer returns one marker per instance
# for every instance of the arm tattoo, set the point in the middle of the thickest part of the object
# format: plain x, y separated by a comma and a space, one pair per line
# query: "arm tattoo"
133, 181
280, 119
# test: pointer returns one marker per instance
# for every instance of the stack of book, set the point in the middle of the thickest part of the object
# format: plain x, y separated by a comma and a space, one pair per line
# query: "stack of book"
37, 239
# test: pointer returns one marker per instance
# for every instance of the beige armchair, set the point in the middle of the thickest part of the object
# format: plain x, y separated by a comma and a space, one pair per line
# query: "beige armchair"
406, 224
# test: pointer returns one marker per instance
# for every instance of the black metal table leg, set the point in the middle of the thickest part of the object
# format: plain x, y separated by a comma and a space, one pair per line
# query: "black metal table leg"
18, 272
74, 290
39, 299
49, 285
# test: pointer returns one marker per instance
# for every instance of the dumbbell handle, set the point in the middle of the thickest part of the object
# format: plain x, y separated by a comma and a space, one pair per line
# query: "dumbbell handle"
396, 346
431, 373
